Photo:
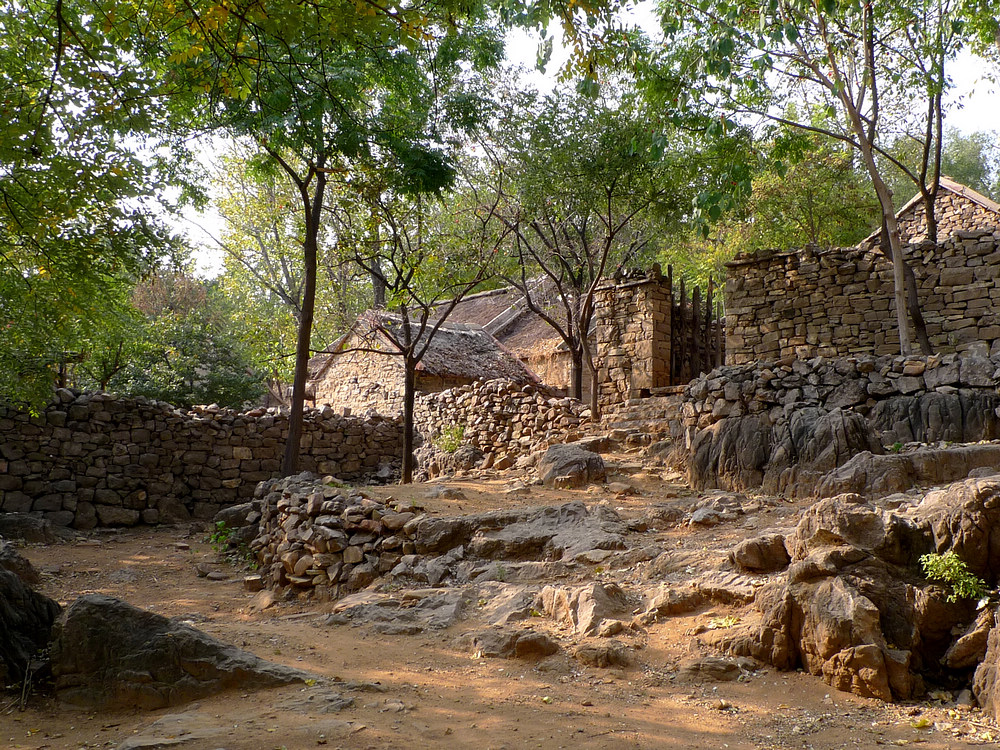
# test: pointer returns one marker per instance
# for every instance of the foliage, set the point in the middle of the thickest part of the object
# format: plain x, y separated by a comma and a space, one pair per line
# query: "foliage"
450, 438
875, 71
951, 569
175, 345
586, 185
220, 536
84, 157
806, 190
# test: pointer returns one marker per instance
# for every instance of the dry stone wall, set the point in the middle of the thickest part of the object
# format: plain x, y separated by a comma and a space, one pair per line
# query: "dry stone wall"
947, 397
319, 537
838, 302
93, 459
498, 417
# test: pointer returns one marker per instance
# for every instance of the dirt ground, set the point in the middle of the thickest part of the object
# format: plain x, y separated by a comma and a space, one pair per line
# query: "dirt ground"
423, 691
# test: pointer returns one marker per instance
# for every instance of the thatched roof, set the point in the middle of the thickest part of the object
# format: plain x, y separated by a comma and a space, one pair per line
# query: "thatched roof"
457, 351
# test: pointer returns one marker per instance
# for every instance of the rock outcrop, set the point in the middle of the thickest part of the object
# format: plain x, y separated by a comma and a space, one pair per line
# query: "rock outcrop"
854, 606
107, 654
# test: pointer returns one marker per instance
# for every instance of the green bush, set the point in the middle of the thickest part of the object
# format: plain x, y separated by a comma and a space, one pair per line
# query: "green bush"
450, 438
949, 568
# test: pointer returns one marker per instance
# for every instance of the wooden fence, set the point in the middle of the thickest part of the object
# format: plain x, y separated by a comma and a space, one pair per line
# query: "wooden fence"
696, 332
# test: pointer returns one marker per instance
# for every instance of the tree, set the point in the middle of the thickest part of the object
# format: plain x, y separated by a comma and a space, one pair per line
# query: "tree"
184, 351
263, 268
864, 63
807, 190
84, 153
586, 183
427, 256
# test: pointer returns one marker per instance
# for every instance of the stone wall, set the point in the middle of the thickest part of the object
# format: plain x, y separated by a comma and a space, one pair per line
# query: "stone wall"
838, 302
95, 459
949, 397
633, 338
500, 418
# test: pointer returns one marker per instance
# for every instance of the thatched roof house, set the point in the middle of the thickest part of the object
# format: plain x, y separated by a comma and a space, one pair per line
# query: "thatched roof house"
364, 371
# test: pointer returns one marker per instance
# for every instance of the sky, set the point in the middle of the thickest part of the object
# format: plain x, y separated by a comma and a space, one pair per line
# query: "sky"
974, 106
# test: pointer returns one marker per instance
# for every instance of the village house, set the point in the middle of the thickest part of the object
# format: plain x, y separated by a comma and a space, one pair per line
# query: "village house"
362, 371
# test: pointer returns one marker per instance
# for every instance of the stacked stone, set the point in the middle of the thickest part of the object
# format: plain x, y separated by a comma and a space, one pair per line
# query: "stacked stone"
92, 459
502, 419
861, 384
316, 535
838, 302
633, 337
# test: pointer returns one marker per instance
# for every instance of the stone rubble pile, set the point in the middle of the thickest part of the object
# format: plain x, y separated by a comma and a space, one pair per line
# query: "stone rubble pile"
319, 536
96, 459
500, 418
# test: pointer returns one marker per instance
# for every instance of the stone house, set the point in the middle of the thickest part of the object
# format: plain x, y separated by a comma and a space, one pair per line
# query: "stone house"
362, 370
837, 302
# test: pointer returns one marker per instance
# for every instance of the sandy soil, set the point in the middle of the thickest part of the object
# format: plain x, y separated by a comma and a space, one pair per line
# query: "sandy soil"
424, 691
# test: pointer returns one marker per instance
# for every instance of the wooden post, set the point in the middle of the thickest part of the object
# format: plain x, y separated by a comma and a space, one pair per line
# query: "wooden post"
682, 349
720, 351
695, 333
673, 325
709, 348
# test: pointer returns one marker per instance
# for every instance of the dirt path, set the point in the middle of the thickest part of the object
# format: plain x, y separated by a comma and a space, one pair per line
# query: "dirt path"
424, 691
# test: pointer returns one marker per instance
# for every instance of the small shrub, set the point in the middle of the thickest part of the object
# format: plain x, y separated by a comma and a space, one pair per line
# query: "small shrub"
219, 539
450, 438
896, 447
949, 568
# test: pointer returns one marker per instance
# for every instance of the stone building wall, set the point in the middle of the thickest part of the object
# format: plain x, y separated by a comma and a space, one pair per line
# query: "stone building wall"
838, 302
954, 213
362, 381
633, 338
95, 459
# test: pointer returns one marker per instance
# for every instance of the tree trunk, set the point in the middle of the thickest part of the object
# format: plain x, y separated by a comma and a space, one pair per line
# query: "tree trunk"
576, 374
312, 208
912, 296
588, 357
409, 395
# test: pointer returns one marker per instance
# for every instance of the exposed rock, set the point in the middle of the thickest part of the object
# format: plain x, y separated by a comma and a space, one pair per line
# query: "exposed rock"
108, 655
26, 528
26, 619
12, 560
668, 601
716, 668
965, 518
986, 683
235, 516
570, 465
970, 649
584, 607
761, 554
612, 654
405, 614
533, 645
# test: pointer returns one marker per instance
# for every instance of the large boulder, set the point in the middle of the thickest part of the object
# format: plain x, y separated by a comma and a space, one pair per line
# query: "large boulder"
965, 517
26, 528
26, 620
569, 465
986, 684
855, 608
107, 654
15, 562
